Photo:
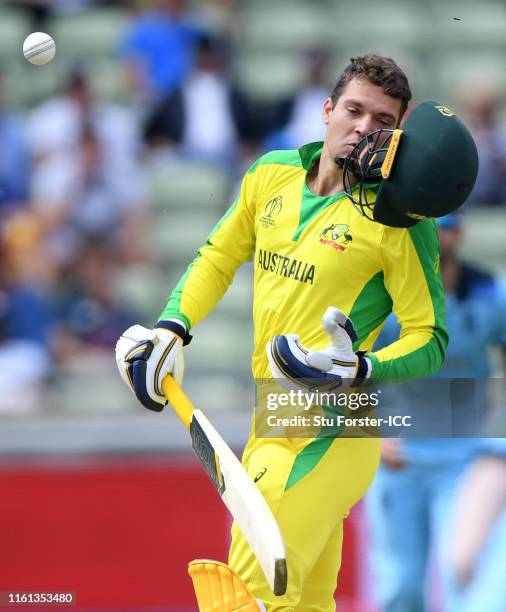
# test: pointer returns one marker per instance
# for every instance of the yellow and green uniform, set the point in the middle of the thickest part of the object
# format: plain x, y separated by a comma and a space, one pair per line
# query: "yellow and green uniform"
310, 252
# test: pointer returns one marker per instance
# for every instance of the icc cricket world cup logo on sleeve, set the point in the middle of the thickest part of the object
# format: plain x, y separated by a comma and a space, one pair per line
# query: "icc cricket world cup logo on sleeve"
337, 236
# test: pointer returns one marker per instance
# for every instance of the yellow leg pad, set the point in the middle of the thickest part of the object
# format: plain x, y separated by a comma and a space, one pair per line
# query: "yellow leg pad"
219, 589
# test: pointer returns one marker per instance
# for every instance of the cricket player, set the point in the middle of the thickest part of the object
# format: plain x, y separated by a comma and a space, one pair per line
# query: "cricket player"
328, 235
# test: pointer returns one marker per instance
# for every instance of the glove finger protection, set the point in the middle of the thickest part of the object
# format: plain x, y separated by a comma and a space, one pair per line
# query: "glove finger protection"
342, 335
145, 356
291, 362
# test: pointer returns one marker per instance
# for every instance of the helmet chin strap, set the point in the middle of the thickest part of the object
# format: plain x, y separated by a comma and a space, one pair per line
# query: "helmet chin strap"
352, 165
339, 161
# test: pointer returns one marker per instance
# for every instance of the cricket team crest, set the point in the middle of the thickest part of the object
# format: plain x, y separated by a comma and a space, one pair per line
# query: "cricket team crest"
336, 235
271, 210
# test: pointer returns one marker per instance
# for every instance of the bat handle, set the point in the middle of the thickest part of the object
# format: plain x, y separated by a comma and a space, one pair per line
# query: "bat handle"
178, 399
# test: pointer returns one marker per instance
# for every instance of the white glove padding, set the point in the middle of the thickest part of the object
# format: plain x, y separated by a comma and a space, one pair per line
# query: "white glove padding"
145, 356
293, 363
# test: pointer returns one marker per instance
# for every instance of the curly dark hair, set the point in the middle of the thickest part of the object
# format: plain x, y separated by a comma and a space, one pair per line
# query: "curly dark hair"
378, 70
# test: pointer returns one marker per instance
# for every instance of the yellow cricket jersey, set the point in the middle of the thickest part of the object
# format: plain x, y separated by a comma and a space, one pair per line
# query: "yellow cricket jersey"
311, 252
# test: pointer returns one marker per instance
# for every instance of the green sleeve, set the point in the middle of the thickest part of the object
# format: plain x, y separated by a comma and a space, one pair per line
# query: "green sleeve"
413, 280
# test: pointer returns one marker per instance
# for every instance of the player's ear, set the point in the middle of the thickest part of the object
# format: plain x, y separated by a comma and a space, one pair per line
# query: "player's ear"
328, 107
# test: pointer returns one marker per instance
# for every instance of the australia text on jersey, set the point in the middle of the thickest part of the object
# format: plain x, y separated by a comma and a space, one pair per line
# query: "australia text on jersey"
286, 266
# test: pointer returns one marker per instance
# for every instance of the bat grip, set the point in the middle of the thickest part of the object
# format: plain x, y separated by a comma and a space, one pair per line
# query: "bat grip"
178, 400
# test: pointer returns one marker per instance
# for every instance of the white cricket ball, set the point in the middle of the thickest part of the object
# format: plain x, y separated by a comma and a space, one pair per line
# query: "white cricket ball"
39, 48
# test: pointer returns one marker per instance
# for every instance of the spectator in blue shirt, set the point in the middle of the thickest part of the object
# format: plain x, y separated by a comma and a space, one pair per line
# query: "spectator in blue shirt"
159, 49
410, 503
26, 319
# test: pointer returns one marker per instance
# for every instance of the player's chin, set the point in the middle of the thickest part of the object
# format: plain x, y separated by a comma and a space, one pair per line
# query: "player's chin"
342, 151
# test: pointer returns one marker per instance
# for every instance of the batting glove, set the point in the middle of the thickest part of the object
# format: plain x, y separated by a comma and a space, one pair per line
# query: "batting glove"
145, 356
292, 363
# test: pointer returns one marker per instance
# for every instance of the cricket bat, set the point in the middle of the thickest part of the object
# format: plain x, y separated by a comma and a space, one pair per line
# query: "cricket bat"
236, 488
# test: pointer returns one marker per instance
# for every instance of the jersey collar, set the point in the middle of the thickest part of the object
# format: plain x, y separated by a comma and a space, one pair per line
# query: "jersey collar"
309, 153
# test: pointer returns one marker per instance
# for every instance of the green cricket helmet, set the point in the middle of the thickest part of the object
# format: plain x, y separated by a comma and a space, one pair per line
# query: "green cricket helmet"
427, 169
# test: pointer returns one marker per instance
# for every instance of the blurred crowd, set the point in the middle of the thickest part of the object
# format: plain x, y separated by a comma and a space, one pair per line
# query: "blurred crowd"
74, 211
73, 194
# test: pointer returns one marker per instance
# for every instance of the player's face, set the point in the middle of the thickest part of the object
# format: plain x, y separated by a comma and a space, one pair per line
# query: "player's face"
361, 108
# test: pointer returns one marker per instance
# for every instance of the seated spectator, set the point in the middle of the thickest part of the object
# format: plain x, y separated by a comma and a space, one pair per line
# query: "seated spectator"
26, 318
78, 198
87, 177
89, 318
299, 117
158, 49
215, 133
482, 109
55, 128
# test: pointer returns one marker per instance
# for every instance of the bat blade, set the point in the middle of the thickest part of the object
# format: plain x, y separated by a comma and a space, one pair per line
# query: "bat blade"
236, 488
243, 499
